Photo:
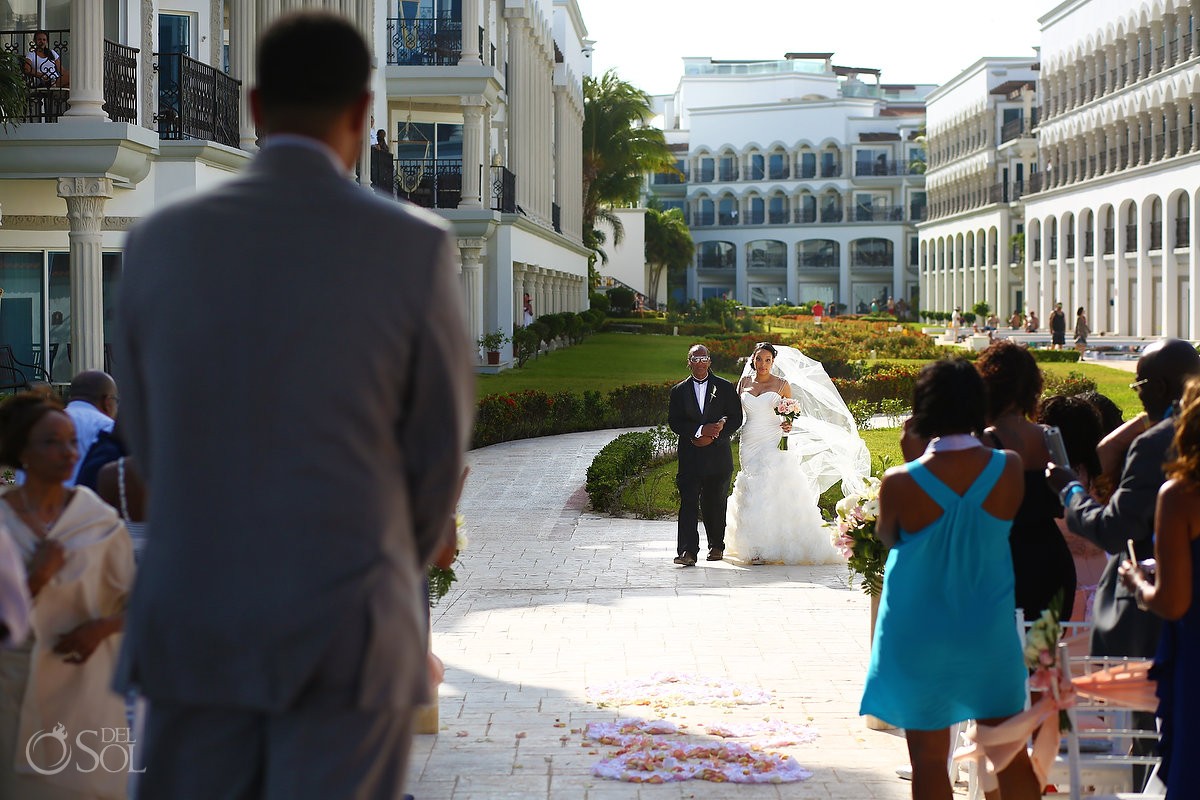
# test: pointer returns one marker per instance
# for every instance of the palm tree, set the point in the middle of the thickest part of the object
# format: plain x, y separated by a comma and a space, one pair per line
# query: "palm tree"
618, 150
12, 89
669, 246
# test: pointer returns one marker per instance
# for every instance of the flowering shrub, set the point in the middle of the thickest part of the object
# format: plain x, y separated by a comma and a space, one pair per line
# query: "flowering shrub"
1070, 384
855, 538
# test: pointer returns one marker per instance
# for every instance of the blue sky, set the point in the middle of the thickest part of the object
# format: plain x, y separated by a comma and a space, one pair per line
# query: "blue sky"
923, 42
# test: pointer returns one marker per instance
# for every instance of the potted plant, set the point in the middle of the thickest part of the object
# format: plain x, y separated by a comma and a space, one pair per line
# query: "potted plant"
491, 344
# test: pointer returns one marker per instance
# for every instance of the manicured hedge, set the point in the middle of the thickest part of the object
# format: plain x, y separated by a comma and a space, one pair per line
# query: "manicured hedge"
624, 459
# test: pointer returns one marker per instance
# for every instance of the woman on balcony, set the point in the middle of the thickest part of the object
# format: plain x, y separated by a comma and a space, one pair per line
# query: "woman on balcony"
43, 67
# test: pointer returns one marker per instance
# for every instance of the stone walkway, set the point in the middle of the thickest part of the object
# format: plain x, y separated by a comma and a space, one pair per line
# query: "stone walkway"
552, 599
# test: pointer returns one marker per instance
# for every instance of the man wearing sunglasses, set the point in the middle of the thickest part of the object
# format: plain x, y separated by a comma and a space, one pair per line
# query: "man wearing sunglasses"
705, 412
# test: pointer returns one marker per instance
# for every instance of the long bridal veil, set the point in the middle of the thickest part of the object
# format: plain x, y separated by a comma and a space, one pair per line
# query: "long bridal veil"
824, 438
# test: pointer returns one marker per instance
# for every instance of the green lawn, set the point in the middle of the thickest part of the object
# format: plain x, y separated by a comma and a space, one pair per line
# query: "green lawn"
603, 362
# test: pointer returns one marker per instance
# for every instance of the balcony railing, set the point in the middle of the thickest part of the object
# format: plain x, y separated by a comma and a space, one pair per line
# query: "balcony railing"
714, 262
1183, 232
729, 174
703, 219
807, 172
1034, 184
806, 215
831, 215
668, 179
1156, 236
918, 213
883, 169
46, 101
504, 190
1110, 241
831, 170
1131, 238
120, 82
424, 42
196, 101
430, 182
878, 213
817, 262
1012, 129
777, 217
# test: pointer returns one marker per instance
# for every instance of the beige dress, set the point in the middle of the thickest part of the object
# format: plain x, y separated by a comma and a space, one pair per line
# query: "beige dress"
39, 691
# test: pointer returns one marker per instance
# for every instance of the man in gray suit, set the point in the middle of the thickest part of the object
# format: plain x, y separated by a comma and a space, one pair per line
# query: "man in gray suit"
297, 383
1119, 627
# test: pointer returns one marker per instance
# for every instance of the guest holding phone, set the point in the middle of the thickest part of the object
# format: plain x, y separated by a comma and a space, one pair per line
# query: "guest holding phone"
1171, 594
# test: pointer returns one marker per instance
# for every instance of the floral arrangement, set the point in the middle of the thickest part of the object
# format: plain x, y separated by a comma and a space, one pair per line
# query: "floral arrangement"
440, 578
789, 409
1041, 657
855, 538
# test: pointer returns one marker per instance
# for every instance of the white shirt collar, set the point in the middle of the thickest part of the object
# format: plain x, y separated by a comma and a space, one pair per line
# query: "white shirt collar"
299, 140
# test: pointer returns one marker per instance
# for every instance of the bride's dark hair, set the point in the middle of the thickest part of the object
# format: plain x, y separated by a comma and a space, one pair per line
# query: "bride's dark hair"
770, 348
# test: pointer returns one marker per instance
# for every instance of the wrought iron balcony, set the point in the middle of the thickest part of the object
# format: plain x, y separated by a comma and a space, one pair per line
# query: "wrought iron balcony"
504, 190
196, 101
777, 217
424, 42
1131, 238
1012, 129
831, 214
713, 261
878, 169
878, 213
804, 215
430, 182
818, 262
47, 100
703, 219
831, 170
1183, 232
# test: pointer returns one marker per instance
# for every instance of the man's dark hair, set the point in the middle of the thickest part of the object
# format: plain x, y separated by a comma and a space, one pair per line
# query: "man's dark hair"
948, 397
311, 60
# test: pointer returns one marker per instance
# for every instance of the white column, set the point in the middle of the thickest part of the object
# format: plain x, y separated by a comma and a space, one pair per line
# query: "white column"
1061, 288
1080, 278
517, 101
518, 295
1122, 302
472, 152
85, 211
472, 283
1170, 275
242, 36
1145, 277
470, 33
87, 62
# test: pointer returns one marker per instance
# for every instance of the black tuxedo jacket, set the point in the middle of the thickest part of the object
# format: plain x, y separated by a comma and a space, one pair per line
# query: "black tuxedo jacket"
685, 417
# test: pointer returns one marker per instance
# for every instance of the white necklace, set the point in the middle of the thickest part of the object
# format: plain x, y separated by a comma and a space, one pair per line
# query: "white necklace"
951, 442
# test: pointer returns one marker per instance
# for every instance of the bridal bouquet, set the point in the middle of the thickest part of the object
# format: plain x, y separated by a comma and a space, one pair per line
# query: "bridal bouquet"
854, 536
789, 409
440, 578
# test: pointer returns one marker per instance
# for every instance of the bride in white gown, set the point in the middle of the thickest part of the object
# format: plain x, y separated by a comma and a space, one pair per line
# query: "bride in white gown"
772, 515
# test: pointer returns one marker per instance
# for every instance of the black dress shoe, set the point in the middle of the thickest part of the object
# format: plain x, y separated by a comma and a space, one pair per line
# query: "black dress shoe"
686, 560
716, 555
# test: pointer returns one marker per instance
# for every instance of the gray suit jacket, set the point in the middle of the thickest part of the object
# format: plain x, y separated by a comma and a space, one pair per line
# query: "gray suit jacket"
1118, 627
296, 380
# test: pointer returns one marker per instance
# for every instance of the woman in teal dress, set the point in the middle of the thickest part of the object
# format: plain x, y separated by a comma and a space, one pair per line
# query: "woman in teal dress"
946, 647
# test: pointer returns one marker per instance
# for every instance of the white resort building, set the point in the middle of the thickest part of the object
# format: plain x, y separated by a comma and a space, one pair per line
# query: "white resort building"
481, 101
802, 180
1110, 225
982, 155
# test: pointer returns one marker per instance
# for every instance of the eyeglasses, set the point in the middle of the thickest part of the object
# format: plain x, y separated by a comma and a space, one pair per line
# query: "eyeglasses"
699, 359
1139, 384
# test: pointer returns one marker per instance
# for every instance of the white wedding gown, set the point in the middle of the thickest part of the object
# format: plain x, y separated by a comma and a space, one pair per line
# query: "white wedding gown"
773, 513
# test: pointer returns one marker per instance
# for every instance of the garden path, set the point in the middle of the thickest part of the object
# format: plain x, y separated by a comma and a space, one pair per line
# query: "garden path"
553, 599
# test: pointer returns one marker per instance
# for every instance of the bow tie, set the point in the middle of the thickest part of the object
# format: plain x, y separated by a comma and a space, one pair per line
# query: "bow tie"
699, 383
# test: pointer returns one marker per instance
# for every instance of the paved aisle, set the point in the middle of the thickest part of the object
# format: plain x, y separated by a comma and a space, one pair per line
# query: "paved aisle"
552, 600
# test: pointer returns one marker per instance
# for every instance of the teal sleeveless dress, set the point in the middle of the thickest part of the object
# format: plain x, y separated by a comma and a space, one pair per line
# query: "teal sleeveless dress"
946, 647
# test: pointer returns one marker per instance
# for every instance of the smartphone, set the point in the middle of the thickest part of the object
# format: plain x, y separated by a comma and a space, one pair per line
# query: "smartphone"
1055, 446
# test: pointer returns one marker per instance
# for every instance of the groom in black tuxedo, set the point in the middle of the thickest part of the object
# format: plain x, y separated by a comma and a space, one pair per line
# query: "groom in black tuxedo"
705, 411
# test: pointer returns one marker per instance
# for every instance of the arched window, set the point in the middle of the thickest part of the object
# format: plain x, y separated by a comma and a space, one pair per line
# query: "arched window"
705, 169
757, 211
758, 167
766, 254
1131, 228
1068, 225
1089, 233
817, 253
727, 210
728, 166
808, 164
806, 208
1156, 224
1110, 236
831, 207
716, 255
831, 162
777, 165
871, 253
705, 214
1183, 221
1052, 229
777, 210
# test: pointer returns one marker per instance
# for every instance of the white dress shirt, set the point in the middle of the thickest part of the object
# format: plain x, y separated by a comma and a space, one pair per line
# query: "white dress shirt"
89, 421
701, 388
